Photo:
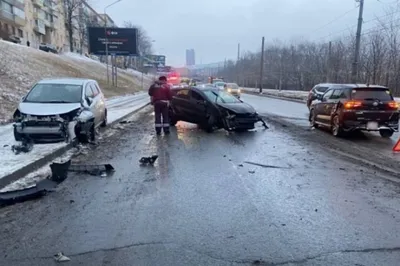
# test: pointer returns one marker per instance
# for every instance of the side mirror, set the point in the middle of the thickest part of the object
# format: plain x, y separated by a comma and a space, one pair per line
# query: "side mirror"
23, 98
318, 97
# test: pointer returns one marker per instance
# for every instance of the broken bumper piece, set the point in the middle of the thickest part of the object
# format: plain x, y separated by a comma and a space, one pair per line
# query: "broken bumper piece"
46, 130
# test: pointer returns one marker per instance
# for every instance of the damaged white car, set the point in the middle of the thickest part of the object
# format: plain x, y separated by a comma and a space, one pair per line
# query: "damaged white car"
61, 110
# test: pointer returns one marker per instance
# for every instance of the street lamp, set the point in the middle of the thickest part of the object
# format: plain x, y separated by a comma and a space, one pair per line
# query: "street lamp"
105, 35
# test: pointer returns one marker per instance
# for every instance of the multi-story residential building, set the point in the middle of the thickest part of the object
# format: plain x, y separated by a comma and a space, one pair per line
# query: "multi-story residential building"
44, 23
12, 18
108, 20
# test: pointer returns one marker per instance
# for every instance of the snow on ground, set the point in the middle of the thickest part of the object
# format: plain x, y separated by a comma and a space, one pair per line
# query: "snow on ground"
44, 172
22, 66
9, 162
297, 95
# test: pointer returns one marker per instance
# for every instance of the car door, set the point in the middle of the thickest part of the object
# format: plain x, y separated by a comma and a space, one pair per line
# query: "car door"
89, 98
320, 115
181, 104
199, 108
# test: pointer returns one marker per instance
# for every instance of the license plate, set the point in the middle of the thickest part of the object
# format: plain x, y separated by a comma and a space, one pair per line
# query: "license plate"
372, 126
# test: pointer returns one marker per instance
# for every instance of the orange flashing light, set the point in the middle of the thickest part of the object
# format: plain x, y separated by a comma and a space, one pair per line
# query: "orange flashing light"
352, 104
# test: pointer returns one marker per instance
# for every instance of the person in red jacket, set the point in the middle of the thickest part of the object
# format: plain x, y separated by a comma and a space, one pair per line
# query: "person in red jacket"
160, 93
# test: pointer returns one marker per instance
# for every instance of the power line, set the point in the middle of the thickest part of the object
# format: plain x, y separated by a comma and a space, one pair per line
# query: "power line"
334, 20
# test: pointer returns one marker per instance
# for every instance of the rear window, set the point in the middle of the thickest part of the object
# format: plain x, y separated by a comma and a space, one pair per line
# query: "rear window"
371, 94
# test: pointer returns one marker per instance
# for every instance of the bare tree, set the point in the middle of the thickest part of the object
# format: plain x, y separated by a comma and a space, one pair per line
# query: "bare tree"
72, 14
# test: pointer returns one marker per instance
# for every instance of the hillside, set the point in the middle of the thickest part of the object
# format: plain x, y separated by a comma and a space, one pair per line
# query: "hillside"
21, 67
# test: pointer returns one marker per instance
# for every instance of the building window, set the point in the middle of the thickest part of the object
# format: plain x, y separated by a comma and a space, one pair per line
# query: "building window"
13, 30
19, 12
20, 33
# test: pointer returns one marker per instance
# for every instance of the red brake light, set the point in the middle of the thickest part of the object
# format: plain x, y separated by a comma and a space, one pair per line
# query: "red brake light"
393, 105
352, 104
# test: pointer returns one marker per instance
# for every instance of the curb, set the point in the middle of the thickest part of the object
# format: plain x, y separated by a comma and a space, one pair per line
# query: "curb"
31, 167
275, 97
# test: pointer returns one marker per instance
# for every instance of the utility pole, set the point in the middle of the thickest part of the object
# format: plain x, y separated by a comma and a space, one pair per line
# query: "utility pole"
354, 70
262, 64
237, 64
328, 63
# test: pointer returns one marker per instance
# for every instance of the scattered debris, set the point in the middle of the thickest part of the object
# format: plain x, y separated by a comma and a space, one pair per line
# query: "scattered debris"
266, 165
263, 122
30, 193
240, 165
60, 257
148, 160
316, 210
59, 171
252, 172
96, 169
283, 224
5, 145
25, 146
125, 122
71, 201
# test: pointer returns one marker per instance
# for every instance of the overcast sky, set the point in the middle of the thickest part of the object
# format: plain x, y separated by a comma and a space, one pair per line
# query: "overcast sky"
214, 27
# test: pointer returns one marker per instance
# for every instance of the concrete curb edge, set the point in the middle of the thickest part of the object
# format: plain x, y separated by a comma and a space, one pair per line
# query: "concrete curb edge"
31, 167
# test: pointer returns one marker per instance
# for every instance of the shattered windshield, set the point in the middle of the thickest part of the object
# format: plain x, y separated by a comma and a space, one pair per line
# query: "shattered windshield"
55, 93
221, 97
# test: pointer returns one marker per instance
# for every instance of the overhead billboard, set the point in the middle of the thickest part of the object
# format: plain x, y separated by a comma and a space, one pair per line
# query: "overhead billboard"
121, 41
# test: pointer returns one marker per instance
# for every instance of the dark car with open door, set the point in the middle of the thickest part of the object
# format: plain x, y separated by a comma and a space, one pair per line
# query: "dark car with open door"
212, 109
354, 107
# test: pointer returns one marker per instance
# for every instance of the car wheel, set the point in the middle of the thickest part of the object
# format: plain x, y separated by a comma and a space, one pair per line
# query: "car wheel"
386, 133
336, 129
210, 124
312, 119
17, 136
104, 124
88, 136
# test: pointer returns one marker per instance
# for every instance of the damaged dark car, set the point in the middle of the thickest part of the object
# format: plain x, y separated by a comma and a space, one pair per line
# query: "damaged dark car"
65, 109
212, 109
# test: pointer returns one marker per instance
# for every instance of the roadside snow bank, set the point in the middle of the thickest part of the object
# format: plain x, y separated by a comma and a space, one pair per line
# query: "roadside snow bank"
22, 66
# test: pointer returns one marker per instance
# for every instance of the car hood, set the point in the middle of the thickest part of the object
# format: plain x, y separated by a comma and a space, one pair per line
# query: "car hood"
239, 108
47, 108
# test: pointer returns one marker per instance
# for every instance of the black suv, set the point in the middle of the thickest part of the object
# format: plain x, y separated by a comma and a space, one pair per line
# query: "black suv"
350, 107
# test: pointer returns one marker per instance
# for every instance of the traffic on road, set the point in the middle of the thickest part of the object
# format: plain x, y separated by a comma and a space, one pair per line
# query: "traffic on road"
222, 188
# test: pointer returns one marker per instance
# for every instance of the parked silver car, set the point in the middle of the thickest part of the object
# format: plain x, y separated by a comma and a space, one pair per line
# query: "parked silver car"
61, 109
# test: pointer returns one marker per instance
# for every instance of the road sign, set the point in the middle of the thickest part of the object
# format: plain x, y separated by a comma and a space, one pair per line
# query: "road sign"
159, 60
121, 41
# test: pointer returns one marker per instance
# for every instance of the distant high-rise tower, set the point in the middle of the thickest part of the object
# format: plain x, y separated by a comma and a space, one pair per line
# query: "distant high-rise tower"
190, 57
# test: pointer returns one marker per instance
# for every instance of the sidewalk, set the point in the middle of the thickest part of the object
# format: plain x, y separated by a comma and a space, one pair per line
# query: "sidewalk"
118, 107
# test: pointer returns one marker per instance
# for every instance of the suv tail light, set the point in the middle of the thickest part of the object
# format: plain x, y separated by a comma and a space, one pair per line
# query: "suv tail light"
352, 104
393, 105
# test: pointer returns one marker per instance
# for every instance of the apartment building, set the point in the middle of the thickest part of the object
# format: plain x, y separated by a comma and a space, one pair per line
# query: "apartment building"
12, 18
44, 21
108, 20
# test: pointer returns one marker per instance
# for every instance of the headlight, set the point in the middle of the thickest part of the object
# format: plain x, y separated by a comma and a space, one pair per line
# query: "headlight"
239, 90
229, 90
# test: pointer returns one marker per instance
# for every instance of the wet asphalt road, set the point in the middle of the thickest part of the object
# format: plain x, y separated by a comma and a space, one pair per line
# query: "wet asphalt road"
202, 204
370, 147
